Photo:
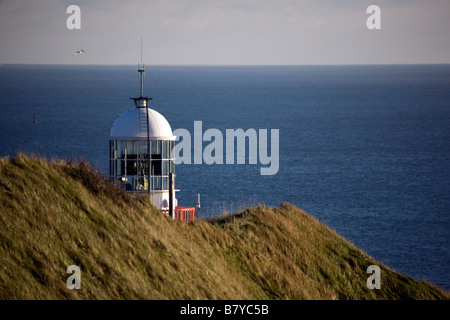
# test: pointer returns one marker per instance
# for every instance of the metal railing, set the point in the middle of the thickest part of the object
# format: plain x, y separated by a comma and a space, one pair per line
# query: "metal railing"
186, 214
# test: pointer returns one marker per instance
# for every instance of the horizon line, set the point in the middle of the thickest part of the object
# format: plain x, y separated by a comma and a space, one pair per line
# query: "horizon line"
224, 65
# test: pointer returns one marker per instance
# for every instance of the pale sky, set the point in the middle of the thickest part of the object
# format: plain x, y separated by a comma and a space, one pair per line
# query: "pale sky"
225, 32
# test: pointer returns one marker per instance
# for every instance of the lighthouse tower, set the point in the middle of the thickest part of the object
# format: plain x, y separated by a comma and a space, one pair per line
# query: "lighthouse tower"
141, 159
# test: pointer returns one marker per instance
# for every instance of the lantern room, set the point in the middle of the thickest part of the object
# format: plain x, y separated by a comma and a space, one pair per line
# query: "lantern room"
141, 156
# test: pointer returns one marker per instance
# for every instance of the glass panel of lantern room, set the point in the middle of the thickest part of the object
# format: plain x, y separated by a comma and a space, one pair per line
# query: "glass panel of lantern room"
165, 147
120, 149
165, 167
120, 168
143, 167
130, 183
142, 184
131, 167
112, 163
131, 150
111, 168
156, 147
172, 166
153, 147
156, 167
142, 149
123, 171
171, 151
156, 183
111, 149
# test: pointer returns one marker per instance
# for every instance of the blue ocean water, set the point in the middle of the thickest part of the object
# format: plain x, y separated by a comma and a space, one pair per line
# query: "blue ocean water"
365, 149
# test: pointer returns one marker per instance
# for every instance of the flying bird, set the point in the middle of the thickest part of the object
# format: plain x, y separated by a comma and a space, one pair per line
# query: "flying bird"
79, 52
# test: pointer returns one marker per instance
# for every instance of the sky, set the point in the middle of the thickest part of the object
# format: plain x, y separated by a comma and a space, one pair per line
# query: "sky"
225, 32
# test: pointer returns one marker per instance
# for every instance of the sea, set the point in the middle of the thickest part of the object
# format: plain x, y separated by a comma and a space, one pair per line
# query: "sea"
363, 148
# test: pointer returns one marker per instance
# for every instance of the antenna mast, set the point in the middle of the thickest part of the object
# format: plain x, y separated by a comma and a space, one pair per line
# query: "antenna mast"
141, 70
141, 101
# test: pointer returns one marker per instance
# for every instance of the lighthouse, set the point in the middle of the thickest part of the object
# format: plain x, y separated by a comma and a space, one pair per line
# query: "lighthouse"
141, 156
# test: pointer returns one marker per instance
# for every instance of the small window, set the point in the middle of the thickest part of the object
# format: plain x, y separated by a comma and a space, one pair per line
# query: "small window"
172, 166
142, 167
131, 150
142, 147
120, 149
156, 167
121, 168
111, 168
165, 149
132, 167
171, 151
156, 148
142, 184
156, 183
165, 167
111, 149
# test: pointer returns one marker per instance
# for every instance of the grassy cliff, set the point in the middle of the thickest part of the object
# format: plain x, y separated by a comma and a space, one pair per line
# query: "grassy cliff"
54, 214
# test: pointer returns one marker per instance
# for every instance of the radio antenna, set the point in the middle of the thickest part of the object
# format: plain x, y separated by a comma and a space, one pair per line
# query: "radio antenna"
141, 101
141, 70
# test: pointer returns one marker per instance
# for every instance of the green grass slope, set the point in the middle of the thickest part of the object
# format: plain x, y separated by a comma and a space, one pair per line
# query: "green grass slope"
54, 214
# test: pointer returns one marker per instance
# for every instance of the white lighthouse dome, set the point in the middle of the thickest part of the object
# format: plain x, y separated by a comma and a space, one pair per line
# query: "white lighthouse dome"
132, 125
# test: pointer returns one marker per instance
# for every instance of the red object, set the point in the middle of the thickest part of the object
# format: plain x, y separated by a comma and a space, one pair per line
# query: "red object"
185, 213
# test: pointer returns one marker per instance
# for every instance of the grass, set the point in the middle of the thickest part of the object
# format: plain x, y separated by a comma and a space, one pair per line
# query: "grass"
54, 214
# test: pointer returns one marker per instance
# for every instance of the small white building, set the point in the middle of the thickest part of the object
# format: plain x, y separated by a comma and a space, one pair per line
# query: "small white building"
141, 143
129, 157
141, 159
